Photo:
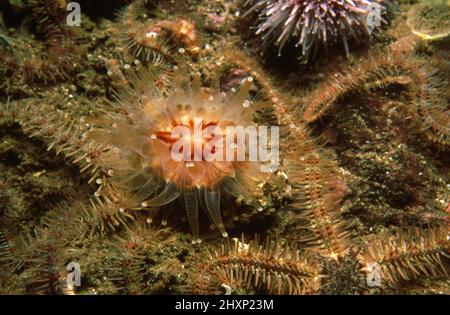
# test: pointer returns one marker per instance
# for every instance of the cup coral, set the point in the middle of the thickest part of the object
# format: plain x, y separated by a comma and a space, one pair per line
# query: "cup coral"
169, 150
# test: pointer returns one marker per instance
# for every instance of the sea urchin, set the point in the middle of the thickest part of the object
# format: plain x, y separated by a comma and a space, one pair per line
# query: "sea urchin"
313, 24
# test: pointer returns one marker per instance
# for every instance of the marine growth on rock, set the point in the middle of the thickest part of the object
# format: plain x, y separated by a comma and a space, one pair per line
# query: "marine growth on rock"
116, 158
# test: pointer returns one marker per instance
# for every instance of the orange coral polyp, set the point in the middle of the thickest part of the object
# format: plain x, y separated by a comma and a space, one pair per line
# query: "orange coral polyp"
200, 113
142, 146
194, 169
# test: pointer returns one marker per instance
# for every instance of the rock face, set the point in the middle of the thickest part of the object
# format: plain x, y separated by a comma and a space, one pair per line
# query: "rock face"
359, 203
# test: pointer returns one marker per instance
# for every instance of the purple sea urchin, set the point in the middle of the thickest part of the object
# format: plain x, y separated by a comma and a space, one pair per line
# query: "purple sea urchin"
312, 24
